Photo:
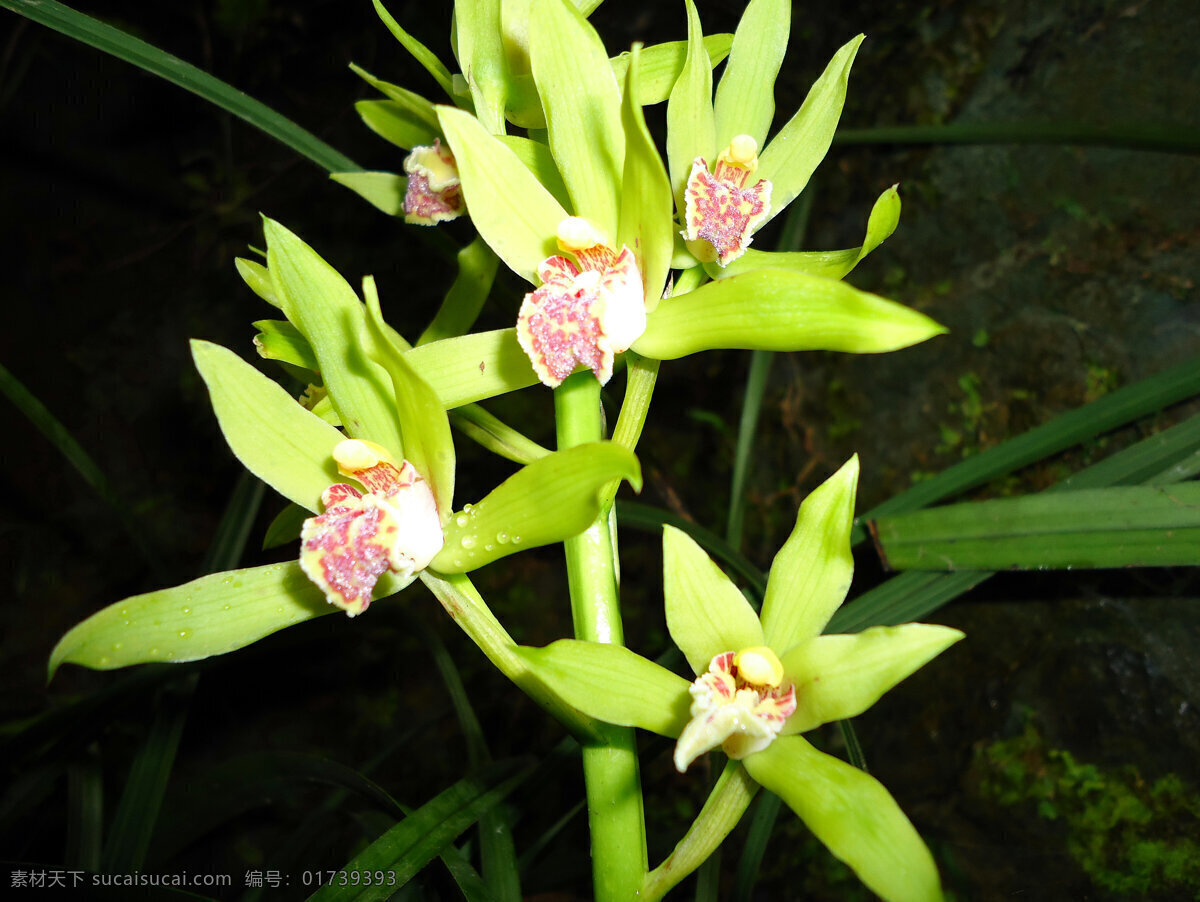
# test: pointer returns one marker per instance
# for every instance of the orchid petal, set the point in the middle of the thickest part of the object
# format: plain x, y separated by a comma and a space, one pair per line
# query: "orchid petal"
395, 122
745, 101
853, 815
706, 613
811, 574
837, 677
433, 193
691, 131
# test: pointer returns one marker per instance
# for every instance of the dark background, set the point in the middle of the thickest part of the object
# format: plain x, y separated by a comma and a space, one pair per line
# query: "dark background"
1063, 272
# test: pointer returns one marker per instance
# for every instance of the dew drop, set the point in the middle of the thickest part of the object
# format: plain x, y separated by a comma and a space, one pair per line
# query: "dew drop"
226, 608
116, 646
488, 547
279, 610
468, 508
126, 623
467, 542
183, 634
170, 654
516, 540
154, 651
502, 538
187, 610
462, 519
124, 612
104, 661
458, 562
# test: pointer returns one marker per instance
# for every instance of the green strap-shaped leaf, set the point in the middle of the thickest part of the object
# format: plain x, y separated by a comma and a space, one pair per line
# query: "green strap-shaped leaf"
613, 684
257, 279
778, 310
837, 677
582, 103
706, 613
510, 208
412, 843
645, 224
277, 440
551, 499
793, 154
477, 267
691, 128
209, 616
540, 161
424, 427
419, 51
420, 109
811, 574
383, 190
481, 54
885, 216
853, 815
1133, 526
329, 314
395, 123
277, 339
473, 367
498, 437
745, 102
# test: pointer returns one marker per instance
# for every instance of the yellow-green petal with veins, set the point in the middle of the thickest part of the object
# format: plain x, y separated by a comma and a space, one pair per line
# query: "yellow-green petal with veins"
473, 367
480, 52
383, 190
793, 154
540, 161
745, 101
853, 815
276, 439
395, 123
779, 310
613, 684
551, 499
323, 306
811, 573
209, 616
691, 129
885, 216
416, 105
511, 209
646, 225
582, 103
707, 614
837, 677
424, 426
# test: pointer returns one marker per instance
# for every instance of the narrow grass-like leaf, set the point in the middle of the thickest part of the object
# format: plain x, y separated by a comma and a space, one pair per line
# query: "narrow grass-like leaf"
171, 68
419, 51
276, 439
473, 367
85, 804
762, 826
853, 815
1135, 526
60, 437
208, 616
413, 843
793, 154
1116, 409
508, 205
652, 520
613, 684
498, 437
383, 190
582, 103
756, 383
645, 225
691, 129
661, 65
885, 216
546, 501
778, 310
745, 101
425, 429
323, 306
395, 123
477, 267
706, 613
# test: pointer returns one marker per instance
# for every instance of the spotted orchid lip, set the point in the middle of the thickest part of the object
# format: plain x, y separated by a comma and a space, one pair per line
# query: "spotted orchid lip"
722, 209
583, 313
393, 525
433, 193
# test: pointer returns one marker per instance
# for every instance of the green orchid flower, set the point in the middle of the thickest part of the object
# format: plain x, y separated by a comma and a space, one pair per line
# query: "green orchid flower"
359, 543
761, 682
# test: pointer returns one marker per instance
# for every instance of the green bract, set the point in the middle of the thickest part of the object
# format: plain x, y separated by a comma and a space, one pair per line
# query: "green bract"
833, 677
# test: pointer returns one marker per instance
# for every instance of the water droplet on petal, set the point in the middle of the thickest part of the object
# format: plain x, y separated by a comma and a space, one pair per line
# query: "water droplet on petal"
187, 610
467, 542
104, 662
516, 540
468, 508
488, 547
502, 538
116, 646
462, 519
183, 634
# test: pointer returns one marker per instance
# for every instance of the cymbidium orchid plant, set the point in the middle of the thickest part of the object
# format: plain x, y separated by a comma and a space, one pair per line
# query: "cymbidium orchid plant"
630, 262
